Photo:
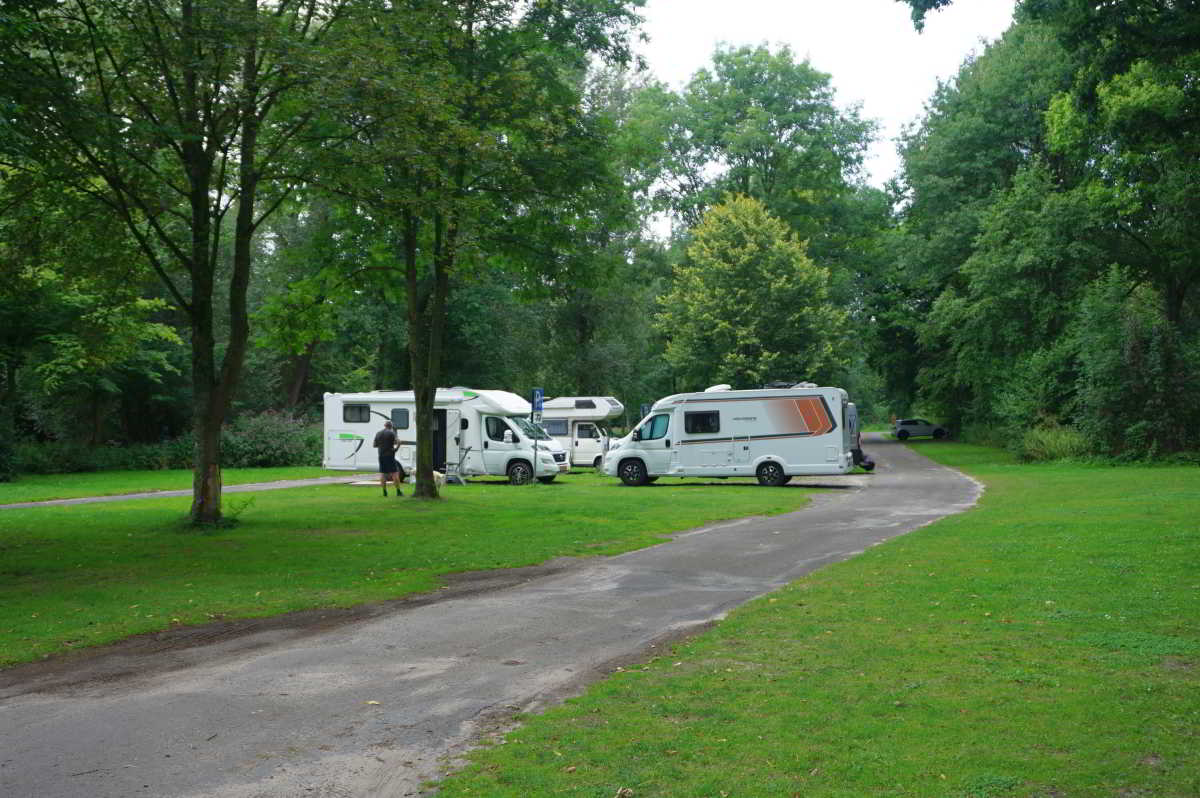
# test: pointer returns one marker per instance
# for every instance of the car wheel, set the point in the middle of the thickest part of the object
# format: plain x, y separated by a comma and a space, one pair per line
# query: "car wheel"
633, 472
939, 434
598, 463
902, 434
547, 480
519, 472
771, 474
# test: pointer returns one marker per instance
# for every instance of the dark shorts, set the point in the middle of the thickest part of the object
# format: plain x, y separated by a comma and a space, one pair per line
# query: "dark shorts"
388, 464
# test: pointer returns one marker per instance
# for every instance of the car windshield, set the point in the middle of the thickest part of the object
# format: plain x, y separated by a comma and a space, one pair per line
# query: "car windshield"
528, 428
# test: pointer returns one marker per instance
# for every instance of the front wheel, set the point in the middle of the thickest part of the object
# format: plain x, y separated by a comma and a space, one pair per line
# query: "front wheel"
598, 463
771, 475
519, 472
633, 472
939, 434
902, 434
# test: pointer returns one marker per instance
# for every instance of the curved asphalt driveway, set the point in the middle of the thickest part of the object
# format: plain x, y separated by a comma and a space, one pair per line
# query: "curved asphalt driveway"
377, 706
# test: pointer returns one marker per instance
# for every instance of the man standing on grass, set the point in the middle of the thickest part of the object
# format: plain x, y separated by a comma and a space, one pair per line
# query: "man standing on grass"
385, 442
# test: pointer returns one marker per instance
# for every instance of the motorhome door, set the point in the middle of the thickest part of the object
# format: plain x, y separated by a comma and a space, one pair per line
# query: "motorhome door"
496, 450
439, 440
655, 443
586, 445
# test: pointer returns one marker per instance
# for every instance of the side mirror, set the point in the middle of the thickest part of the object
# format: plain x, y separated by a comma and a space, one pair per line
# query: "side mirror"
463, 423
637, 434
508, 438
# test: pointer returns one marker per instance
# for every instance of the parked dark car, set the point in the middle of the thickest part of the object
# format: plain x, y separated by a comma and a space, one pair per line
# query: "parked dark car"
906, 428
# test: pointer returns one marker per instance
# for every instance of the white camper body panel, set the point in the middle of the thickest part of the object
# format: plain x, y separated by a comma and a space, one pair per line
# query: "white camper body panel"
578, 423
772, 433
469, 425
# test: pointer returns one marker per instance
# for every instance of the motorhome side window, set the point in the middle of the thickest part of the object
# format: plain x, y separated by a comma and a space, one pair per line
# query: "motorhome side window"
656, 427
555, 426
708, 421
400, 417
496, 428
356, 414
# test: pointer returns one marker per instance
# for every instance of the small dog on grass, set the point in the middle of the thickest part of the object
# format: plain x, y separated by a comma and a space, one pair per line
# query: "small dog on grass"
439, 479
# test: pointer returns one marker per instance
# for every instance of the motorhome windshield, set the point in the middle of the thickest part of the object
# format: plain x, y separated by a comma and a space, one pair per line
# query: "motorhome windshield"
528, 428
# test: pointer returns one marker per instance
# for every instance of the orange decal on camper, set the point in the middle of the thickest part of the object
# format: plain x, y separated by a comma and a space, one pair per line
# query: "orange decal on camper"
804, 415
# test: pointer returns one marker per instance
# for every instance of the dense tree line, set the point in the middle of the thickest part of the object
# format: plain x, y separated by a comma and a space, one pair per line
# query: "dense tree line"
214, 210
1043, 278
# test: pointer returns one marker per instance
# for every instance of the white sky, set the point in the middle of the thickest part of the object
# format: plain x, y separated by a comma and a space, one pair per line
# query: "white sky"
868, 46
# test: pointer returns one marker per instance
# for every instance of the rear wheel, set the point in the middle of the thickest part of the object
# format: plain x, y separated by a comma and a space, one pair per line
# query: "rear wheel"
939, 433
633, 472
519, 472
771, 474
598, 463
902, 434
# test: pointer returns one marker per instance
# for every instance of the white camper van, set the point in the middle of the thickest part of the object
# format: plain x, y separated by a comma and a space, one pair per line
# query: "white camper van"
489, 432
771, 433
579, 424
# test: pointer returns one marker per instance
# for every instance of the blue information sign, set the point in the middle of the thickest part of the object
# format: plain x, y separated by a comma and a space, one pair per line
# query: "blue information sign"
537, 400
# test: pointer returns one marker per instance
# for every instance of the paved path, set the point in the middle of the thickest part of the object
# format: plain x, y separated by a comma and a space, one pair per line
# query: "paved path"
159, 494
372, 708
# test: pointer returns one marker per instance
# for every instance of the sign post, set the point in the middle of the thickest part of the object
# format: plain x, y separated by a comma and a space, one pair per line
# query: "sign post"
535, 416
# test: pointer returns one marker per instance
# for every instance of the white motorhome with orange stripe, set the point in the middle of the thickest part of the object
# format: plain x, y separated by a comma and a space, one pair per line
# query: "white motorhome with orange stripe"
773, 434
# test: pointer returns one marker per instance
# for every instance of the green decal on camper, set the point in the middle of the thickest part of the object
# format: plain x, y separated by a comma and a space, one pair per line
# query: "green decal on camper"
470, 394
349, 436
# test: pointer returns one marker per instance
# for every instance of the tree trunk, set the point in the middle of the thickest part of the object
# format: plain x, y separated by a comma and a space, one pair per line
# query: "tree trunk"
426, 320
8, 419
214, 390
299, 367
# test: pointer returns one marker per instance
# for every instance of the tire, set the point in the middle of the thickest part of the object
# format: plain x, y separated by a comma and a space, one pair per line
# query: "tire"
519, 472
938, 434
633, 472
598, 463
651, 480
771, 475
902, 434
547, 480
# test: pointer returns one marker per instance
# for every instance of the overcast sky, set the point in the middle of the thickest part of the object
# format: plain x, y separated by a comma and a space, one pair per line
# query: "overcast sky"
868, 46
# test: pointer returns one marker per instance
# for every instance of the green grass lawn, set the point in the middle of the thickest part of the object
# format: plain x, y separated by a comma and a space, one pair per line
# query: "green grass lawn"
1046, 643
73, 576
42, 487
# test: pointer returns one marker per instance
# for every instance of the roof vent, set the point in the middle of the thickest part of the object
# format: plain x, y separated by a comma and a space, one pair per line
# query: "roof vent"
585, 404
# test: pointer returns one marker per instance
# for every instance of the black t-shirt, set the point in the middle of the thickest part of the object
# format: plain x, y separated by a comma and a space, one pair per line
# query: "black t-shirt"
385, 441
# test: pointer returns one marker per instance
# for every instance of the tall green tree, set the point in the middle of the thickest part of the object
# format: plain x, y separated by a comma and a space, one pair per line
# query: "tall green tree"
748, 306
981, 130
174, 115
761, 124
469, 147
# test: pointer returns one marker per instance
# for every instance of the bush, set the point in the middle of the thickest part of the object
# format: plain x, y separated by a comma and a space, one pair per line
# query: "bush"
270, 439
251, 441
1053, 442
983, 435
